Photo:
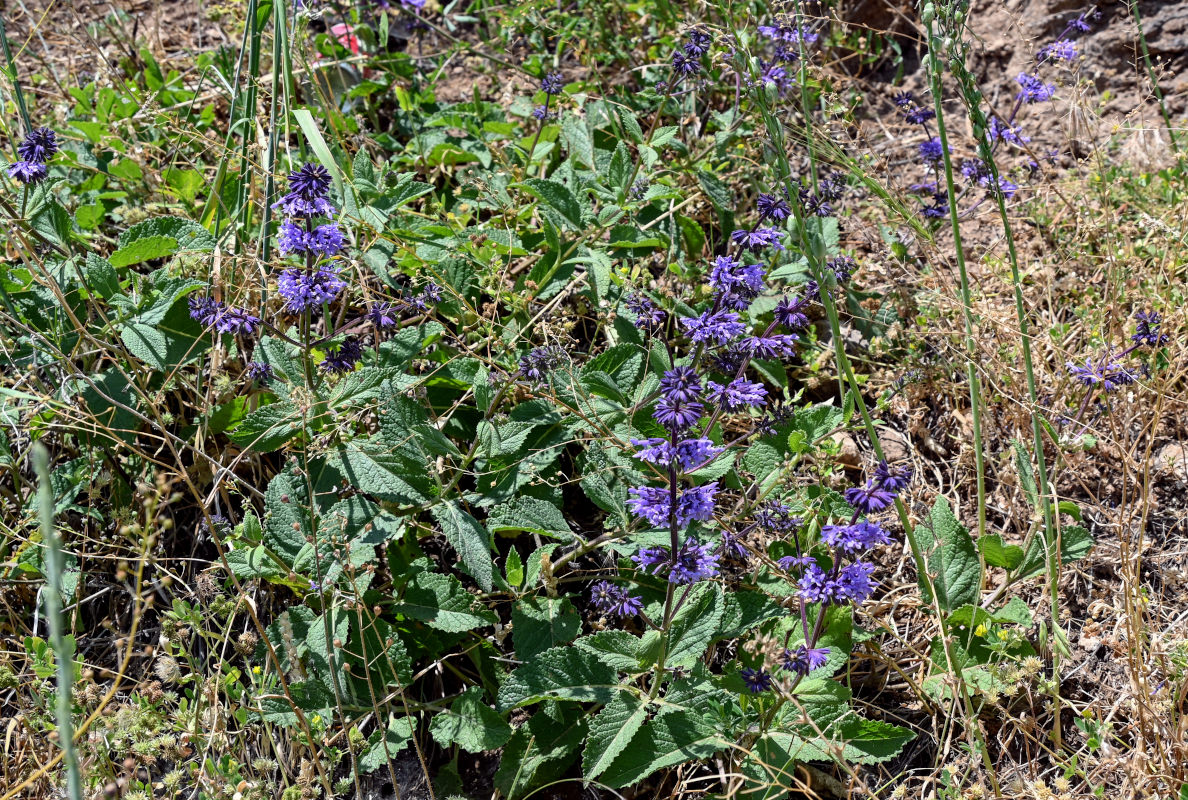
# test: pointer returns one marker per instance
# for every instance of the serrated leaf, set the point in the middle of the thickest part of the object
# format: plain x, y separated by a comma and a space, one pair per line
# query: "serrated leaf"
102, 277
541, 623
158, 238
469, 538
269, 427
668, 740
694, 625
871, 741
953, 559
557, 197
513, 568
611, 730
383, 471
576, 137
471, 724
529, 514
562, 673
441, 602
819, 421
540, 750
617, 649
619, 171
384, 744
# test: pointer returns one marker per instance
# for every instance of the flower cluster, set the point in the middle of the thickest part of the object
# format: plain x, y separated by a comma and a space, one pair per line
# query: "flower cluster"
212, 313
1107, 372
536, 365
35, 150
307, 287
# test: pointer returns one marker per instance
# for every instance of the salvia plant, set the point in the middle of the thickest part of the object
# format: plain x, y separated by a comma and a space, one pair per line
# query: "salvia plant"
550, 441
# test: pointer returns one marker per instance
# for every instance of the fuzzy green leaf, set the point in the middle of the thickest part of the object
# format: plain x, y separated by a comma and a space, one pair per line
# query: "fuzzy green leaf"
471, 724
540, 623
441, 602
530, 514
611, 731
469, 538
562, 673
953, 560
668, 740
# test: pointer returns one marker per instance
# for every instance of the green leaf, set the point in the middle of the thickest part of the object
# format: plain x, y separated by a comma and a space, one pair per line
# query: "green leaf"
562, 673
89, 215
576, 137
186, 183
540, 750
168, 342
1075, 544
869, 741
953, 559
471, 724
269, 428
383, 471
529, 514
1026, 473
558, 197
380, 748
102, 277
611, 731
668, 740
617, 649
540, 623
513, 568
467, 536
818, 421
619, 171
694, 625
999, 554
441, 602
54, 224
158, 238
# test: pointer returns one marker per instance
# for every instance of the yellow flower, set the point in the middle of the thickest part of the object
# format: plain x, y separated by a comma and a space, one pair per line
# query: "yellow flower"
256, 670
980, 630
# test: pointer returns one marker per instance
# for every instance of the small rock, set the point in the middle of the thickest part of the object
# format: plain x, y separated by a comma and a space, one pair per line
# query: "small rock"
1171, 461
848, 454
894, 444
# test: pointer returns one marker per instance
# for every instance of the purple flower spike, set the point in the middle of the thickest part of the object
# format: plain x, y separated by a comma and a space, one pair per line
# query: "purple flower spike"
772, 207
259, 371
931, 150
237, 321
694, 562
302, 290
854, 538
871, 498
854, 583
789, 312
758, 239
775, 345
737, 394
1061, 50
676, 415
38, 146
681, 385
1146, 329
28, 172
205, 310
718, 327
651, 559
1034, 90
344, 357
552, 83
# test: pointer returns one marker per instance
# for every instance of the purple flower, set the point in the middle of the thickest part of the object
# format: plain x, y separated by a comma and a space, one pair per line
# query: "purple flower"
1034, 90
904, 99
893, 480
652, 503
788, 31
919, 115
1146, 329
814, 204
648, 317
1012, 134
552, 83
205, 310
777, 518
728, 275
788, 562
344, 357
804, 659
650, 559
871, 498
614, 600
774, 345
842, 268
542, 114
854, 538
789, 312
38, 146
698, 43
1008, 188
1106, 373
772, 207
685, 65
325, 240
815, 585
28, 172
1062, 49
383, 315
431, 292
676, 415
311, 181
974, 169
237, 321
758, 239
931, 150
302, 290
756, 680
718, 327
854, 583
737, 394
681, 384
540, 361
259, 371
294, 205
688, 454
694, 562
732, 547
